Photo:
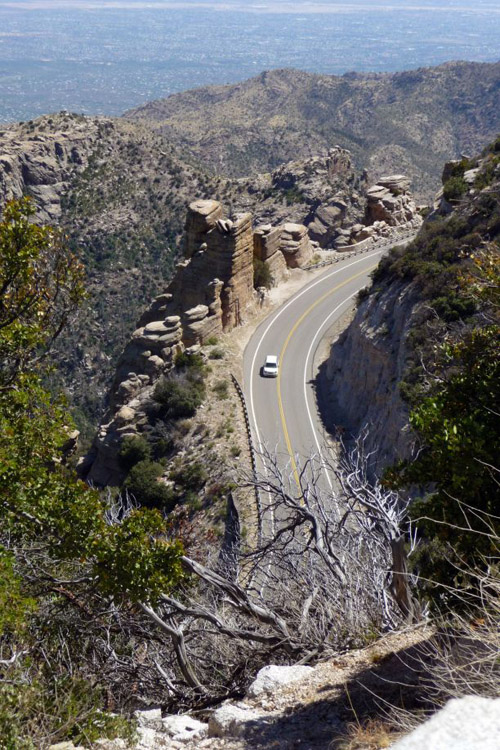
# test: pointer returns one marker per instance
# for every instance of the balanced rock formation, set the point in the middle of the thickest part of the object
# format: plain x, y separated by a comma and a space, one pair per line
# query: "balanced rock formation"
266, 247
202, 216
390, 209
295, 245
390, 201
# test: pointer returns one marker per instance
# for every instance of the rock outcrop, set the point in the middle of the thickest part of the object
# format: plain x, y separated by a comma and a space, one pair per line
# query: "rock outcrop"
390, 209
209, 294
266, 247
295, 245
42, 162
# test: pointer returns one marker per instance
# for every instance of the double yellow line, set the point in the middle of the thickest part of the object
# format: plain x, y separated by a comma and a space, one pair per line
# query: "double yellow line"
282, 354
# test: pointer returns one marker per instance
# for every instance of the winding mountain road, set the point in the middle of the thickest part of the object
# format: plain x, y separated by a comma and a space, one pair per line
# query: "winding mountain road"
283, 411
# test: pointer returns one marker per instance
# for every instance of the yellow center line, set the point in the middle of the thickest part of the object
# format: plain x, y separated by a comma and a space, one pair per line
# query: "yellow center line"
282, 354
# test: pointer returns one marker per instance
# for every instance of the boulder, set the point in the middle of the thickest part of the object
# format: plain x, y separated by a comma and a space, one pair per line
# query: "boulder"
470, 723
271, 677
184, 728
395, 183
232, 721
277, 268
295, 245
195, 313
266, 241
389, 201
151, 718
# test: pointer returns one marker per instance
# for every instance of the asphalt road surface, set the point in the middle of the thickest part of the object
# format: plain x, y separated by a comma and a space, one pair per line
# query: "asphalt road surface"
283, 412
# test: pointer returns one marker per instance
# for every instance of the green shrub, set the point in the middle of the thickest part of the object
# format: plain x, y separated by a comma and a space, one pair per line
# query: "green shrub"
134, 448
217, 354
190, 476
193, 362
179, 397
221, 388
143, 483
262, 275
59, 707
454, 188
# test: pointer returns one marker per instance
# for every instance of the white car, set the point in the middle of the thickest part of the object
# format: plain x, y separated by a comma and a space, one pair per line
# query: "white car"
270, 369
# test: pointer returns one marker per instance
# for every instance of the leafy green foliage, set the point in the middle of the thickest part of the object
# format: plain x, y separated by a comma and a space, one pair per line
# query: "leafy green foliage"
182, 392
454, 188
262, 275
134, 448
143, 483
179, 397
66, 707
191, 476
44, 509
41, 283
457, 420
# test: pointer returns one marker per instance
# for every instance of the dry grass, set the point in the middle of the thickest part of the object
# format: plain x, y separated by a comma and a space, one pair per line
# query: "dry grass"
373, 734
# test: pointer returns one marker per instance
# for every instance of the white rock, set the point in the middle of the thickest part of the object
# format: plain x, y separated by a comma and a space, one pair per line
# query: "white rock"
151, 719
150, 739
231, 721
271, 677
470, 723
182, 728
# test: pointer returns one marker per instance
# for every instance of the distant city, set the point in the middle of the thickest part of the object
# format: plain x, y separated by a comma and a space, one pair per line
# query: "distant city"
106, 57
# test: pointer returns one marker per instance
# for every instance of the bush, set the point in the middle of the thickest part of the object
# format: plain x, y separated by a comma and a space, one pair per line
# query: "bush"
179, 398
143, 483
454, 188
193, 362
191, 476
134, 448
221, 389
217, 354
262, 275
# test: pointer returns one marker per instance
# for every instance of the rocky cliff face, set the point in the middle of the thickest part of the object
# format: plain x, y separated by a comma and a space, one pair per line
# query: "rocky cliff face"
42, 161
360, 380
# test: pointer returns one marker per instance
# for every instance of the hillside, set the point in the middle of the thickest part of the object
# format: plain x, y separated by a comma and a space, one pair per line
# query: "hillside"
407, 122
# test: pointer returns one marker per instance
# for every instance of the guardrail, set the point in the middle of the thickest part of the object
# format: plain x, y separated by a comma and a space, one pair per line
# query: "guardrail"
364, 246
253, 459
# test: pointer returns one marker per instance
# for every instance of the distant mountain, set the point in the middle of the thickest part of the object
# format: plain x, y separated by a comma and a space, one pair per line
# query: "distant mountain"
407, 122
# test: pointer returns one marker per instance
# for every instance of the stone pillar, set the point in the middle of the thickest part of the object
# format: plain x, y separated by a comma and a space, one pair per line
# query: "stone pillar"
202, 216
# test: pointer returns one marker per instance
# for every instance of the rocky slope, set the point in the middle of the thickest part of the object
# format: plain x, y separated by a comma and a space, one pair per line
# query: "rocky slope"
407, 122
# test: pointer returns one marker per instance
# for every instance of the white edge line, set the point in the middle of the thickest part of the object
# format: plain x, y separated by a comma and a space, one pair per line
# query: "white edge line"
282, 309
306, 289
319, 333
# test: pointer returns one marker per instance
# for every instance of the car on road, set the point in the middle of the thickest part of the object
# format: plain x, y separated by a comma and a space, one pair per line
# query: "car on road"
270, 369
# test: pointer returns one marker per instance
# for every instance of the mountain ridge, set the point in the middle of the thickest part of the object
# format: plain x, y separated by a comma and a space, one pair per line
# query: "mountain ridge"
410, 121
